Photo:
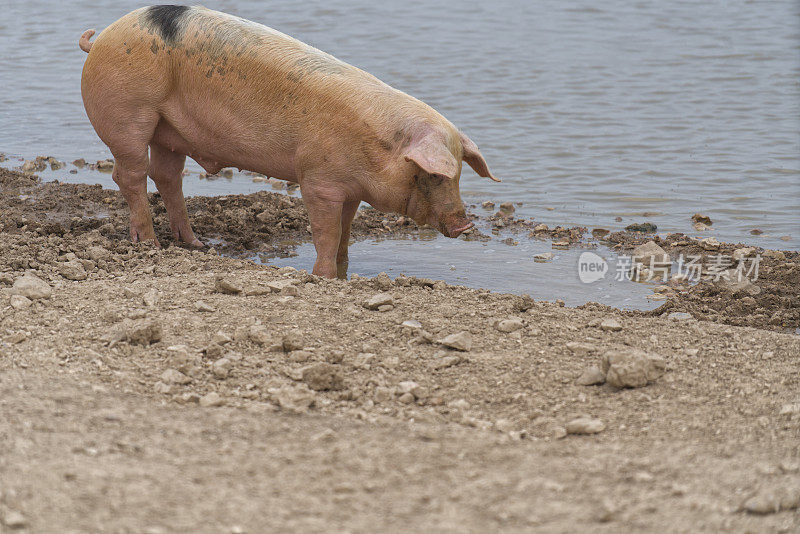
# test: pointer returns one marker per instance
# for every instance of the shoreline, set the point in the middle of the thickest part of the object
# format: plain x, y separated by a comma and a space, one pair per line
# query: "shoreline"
173, 389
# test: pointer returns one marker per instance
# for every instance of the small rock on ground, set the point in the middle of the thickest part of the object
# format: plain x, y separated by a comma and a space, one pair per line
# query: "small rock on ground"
585, 425
610, 324
631, 368
323, 377
210, 400
32, 287
591, 376
459, 341
378, 300
223, 285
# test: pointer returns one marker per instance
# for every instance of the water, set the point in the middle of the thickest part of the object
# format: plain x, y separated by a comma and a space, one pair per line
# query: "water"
639, 110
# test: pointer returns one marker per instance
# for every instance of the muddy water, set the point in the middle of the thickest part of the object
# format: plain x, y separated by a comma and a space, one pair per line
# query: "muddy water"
637, 110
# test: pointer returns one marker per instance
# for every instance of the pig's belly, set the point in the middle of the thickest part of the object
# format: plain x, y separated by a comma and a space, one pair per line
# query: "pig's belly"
214, 149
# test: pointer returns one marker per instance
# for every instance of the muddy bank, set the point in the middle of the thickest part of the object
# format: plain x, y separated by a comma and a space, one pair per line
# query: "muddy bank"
173, 389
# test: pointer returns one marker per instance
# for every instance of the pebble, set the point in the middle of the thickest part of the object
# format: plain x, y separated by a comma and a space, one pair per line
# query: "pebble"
173, 376
211, 400
447, 361
293, 399
223, 285
161, 387
385, 308
292, 341
543, 257
300, 356
600, 233
150, 298
213, 350
709, 243
561, 244
18, 302
32, 287
631, 368
507, 208
259, 335
72, 270
585, 425
509, 325
609, 324
646, 227
14, 520
221, 368
378, 300
221, 338
202, 306
280, 286
413, 388
741, 253
650, 254
488, 205
591, 376
143, 332
323, 377
773, 500
700, 218
581, 349
680, 316
412, 323
406, 398
459, 341
541, 227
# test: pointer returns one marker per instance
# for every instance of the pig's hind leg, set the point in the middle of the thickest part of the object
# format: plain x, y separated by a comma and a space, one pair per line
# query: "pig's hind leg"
166, 170
349, 209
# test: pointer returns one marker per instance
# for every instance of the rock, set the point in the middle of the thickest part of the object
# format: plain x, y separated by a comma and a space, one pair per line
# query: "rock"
181, 359
378, 300
32, 287
651, 254
447, 361
72, 270
488, 205
299, 356
223, 285
213, 351
646, 227
406, 398
211, 400
173, 376
543, 257
700, 227
80, 163
293, 399
6, 279
221, 338
290, 291
143, 332
680, 316
259, 335
581, 349
541, 227
773, 500
323, 377
292, 341
412, 323
585, 425
741, 253
385, 308
709, 243
459, 341
96, 253
507, 208
700, 218
14, 520
280, 286
631, 368
18, 302
150, 298
161, 387
202, 306
599, 233
105, 165
591, 376
609, 324
383, 394
561, 244
774, 255
413, 388
221, 368
509, 325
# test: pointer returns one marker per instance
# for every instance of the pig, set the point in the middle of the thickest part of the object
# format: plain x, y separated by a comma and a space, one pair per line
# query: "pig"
166, 82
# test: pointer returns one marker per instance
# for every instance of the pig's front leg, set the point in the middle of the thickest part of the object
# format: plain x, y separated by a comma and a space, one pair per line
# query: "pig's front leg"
325, 217
348, 212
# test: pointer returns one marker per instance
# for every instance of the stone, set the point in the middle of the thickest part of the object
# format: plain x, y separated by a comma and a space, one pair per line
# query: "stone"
18, 302
32, 287
292, 341
290, 291
413, 388
645, 228
709, 243
773, 500
213, 350
561, 244
631, 368
585, 425
323, 377
378, 300
221, 368
406, 398
223, 285
385, 308
280, 286
72, 270
741, 253
97, 253
161, 387
591, 376
300, 356
488, 205
211, 400
447, 361
509, 325
700, 227
651, 254
507, 208
543, 257
581, 349
293, 399
412, 323
459, 341
143, 332
173, 376
259, 335
599, 233
774, 255
14, 520
541, 227
703, 219
609, 324
204, 307
150, 298
221, 338
680, 316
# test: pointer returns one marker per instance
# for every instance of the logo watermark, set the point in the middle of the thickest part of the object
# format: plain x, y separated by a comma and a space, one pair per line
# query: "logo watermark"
689, 268
591, 267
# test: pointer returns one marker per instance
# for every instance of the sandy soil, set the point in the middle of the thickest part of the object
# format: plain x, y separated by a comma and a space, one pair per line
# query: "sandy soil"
172, 390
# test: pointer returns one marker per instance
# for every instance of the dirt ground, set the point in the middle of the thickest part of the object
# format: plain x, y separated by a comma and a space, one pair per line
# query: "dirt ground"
169, 390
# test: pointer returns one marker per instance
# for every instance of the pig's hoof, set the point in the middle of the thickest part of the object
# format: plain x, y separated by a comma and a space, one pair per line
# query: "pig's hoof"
195, 243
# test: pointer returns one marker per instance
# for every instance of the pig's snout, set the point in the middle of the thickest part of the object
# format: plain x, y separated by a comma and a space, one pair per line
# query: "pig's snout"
457, 228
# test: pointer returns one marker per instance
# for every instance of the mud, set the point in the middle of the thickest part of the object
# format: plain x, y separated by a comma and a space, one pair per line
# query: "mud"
169, 390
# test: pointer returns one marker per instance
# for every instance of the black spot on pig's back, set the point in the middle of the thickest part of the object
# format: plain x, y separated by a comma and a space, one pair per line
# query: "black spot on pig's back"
167, 20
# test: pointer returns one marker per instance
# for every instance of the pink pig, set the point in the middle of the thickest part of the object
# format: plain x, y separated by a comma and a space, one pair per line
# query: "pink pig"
227, 92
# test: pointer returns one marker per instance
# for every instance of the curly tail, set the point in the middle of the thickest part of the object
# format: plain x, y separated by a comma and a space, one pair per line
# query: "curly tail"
84, 43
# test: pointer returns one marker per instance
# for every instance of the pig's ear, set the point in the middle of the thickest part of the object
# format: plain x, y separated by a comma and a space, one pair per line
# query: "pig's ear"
432, 156
475, 159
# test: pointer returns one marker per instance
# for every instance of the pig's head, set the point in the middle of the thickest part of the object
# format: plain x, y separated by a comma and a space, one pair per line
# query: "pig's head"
432, 176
